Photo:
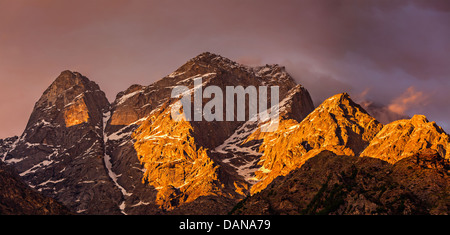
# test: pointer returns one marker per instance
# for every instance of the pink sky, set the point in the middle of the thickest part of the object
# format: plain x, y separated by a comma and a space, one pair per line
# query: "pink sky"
385, 50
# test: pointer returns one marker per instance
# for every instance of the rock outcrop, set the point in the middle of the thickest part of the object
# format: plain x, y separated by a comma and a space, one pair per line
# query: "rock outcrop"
404, 138
178, 161
61, 151
134, 157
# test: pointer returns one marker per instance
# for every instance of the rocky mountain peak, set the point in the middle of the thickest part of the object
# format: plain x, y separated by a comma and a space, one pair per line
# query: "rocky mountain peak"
129, 90
132, 157
418, 120
175, 166
404, 138
138, 101
69, 78
179, 158
71, 99
208, 57
341, 100
349, 116
17, 198
207, 63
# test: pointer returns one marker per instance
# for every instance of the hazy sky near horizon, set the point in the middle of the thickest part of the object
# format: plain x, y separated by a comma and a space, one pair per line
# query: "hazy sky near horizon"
395, 53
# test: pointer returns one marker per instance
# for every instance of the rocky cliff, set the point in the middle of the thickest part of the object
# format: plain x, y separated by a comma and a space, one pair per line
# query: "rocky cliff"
404, 138
131, 157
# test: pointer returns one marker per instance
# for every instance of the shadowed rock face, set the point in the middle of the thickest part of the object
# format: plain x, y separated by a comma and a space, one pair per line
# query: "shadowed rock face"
404, 138
131, 157
338, 125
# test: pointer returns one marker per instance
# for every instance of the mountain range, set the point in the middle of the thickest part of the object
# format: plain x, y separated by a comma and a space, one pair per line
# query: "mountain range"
82, 154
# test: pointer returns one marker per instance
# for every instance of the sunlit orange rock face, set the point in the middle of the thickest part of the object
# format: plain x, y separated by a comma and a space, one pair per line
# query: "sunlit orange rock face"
175, 166
76, 113
340, 160
338, 125
404, 138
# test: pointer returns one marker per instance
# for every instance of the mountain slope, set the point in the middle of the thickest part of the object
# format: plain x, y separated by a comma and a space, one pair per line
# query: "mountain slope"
61, 151
16, 198
180, 164
338, 125
381, 113
404, 138
241, 150
333, 184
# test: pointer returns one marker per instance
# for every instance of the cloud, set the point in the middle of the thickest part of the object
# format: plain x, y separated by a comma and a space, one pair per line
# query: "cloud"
410, 98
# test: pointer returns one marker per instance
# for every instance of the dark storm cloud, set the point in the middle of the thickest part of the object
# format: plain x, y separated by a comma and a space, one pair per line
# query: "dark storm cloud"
381, 47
